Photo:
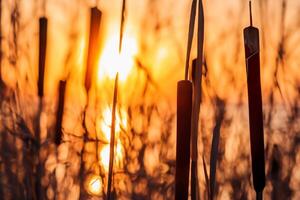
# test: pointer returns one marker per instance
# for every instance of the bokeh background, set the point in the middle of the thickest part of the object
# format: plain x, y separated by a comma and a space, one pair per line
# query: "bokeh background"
150, 64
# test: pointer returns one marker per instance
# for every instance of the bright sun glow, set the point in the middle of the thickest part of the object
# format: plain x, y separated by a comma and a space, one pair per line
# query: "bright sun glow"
104, 154
112, 62
105, 123
95, 185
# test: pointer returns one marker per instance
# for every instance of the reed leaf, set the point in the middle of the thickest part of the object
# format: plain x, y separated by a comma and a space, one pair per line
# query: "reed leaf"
190, 37
122, 24
220, 106
206, 177
112, 140
197, 84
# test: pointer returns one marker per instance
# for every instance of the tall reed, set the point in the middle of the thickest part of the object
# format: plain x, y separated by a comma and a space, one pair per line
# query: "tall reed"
112, 140
184, 115
197, 84
43, 24
251, 42
93, 47
60, 111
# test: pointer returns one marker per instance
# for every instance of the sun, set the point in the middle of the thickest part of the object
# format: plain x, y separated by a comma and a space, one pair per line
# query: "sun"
111, 61
94, 184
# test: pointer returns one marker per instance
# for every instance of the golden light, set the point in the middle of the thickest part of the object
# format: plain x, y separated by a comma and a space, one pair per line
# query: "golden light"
111, 61
104, 155
104, 124
94, 185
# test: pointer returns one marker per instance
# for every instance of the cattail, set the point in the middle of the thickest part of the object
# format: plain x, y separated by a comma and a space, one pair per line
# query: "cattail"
184, 120
93, 48
184, 113
251, 39
112, 140
43, 22
197, 82
60, 111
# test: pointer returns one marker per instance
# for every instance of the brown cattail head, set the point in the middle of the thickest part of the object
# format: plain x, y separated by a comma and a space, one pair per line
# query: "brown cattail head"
184, 115
251, 42
43, 22
93, 48
60, 111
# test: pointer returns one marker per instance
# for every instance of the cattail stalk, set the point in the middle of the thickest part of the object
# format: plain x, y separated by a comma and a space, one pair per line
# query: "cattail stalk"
43, 24
93, 48
184, 113
197, 82
251, 39
60, 111
112, 140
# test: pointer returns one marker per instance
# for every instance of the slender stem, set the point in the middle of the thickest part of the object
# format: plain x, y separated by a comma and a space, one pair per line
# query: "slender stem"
259, 195
250, 11
112, 139
190, 37
122, 25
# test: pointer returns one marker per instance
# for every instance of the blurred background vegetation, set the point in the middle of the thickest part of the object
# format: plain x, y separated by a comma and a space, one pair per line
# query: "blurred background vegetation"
151, 63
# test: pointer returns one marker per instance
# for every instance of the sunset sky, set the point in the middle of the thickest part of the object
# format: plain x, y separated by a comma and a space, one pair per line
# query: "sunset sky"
150, 65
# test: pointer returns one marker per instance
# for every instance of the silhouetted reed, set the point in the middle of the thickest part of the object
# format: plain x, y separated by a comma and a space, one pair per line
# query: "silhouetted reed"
251, 39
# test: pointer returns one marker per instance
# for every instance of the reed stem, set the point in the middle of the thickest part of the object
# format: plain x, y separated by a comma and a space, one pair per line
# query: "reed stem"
259, 195
60, 112
112, 139
250, 12
184, 113
93, 48
43, 23
122, 25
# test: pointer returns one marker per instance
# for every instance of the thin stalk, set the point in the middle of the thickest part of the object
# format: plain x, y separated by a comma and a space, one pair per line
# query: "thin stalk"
60, 112
197, 85
42, 54
251, 42
112, 139
93, 48
190, 37
259, 196
43, 24
250, 12
122, 25
1, 81
184, 115
220, 113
